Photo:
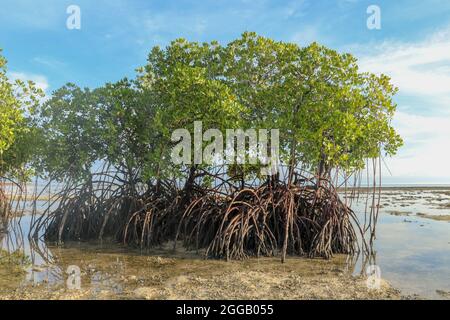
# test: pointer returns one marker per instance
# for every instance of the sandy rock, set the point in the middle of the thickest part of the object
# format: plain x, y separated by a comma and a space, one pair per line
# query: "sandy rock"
147, 293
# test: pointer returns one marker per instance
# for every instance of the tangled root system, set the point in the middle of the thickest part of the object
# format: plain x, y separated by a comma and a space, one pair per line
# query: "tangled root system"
305, 219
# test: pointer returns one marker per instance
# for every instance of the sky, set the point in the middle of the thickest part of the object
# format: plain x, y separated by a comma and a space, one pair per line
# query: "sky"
412, 47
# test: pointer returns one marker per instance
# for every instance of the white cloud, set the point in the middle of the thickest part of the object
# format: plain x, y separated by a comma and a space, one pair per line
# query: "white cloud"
294, 8
49, 62
307, 35
421, 71
40, 80
420, 68
426, 152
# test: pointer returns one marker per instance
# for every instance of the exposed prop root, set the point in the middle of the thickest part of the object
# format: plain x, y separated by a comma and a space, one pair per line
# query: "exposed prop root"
301, 220
305, 219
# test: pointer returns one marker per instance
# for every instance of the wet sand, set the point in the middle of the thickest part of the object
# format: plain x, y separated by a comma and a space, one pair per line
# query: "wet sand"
111, 274
412, 250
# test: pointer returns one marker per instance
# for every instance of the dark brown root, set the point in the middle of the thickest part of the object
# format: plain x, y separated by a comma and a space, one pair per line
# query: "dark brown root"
305, 219
301, 220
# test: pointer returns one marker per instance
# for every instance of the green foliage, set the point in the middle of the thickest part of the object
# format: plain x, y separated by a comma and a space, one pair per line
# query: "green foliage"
186, 81
126, 112
70, 127
330, 115
17, 101
342, 117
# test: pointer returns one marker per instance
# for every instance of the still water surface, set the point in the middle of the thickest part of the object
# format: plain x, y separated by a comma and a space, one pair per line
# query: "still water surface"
412, 250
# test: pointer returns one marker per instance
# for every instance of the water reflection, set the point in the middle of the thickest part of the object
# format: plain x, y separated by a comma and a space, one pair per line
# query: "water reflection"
412, 252
412, 249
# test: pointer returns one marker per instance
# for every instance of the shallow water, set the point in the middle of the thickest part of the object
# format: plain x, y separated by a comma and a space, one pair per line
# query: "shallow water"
115, 271
413, 253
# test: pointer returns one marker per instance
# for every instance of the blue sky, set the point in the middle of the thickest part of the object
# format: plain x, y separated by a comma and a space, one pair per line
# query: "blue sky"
413, 47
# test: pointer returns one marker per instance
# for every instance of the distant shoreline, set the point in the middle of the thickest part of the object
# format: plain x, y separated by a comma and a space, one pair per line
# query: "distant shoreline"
399, 187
